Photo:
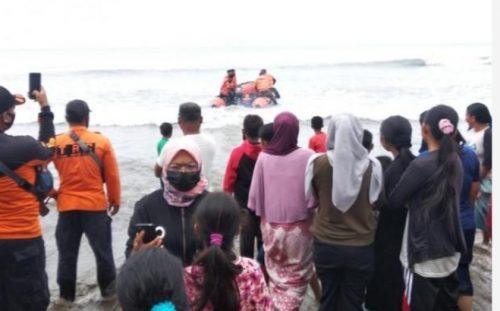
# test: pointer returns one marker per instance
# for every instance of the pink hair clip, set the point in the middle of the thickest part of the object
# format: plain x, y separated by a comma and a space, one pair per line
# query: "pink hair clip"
446, 126
216, 239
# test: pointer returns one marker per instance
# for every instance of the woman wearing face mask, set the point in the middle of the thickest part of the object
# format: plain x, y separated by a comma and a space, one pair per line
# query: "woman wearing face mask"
173, 206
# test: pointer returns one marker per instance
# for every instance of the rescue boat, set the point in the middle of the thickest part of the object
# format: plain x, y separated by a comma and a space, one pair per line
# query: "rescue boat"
247, 96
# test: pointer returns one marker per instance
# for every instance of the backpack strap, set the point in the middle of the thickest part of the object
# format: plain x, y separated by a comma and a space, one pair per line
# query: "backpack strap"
21, 182
87, 150
24, 184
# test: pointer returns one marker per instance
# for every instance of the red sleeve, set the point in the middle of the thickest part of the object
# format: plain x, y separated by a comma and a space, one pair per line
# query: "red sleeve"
232, 166
311, 143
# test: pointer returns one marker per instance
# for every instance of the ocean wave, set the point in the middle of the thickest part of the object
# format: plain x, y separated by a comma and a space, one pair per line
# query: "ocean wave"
304, 121
405, 62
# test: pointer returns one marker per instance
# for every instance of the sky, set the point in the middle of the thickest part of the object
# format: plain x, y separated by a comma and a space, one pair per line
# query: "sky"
188, 23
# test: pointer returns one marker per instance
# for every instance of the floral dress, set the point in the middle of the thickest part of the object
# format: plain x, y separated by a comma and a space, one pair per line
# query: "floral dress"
254, 294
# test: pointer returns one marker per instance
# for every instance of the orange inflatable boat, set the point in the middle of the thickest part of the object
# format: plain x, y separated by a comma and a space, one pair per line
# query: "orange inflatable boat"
247, 95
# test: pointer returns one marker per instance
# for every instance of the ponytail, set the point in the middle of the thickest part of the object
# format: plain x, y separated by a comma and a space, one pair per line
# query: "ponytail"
397, 131
218, 219
219, 282
440, 194
406, 156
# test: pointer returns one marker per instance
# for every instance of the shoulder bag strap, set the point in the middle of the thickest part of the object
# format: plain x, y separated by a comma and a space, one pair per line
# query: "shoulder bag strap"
86, 149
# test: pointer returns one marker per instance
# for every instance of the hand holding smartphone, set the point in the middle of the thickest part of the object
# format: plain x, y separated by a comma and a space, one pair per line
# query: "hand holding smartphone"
35, 83
151, 231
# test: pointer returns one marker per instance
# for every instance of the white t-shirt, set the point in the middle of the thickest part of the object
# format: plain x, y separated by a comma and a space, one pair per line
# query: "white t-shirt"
206, 143
475, 140
433, 268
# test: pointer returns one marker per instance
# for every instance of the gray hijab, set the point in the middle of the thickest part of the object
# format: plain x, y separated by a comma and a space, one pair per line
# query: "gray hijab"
350, 160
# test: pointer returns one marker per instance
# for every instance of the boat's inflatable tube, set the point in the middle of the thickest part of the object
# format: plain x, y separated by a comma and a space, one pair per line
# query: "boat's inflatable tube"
261, 102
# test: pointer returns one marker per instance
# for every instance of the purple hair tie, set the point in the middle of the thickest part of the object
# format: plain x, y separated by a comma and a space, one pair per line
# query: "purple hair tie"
216, 239
446, 126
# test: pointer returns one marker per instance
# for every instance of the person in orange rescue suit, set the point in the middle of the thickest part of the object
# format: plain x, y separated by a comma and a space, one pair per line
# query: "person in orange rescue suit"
264, 85
23, 280
228, 88
83, 205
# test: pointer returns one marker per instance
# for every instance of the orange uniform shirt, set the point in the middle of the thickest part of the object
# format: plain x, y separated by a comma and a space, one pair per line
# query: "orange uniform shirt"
228, 86
318, 142
19, 209
264, 82
81, 184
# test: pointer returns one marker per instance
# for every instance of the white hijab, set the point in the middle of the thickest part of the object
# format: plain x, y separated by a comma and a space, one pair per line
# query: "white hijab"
349, 160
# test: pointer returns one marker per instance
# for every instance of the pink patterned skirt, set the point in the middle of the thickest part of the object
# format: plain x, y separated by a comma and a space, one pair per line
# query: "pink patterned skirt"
289, 249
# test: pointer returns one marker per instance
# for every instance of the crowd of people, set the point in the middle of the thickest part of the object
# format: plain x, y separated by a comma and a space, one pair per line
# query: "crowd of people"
365, 232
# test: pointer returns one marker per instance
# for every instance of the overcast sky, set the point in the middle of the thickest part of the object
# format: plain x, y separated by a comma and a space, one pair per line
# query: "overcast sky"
167, 23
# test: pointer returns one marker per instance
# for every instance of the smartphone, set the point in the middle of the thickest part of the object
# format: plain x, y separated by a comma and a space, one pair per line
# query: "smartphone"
151, 231
35, 83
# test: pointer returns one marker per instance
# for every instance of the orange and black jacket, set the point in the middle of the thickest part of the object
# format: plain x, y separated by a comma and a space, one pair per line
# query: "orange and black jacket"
19, 209
81, 179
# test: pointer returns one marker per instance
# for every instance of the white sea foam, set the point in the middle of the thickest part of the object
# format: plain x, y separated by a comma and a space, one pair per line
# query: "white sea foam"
138, 87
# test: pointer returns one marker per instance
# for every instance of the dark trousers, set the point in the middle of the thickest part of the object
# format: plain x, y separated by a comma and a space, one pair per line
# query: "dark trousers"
344, 271
434, 294
250, 230
97, 228
466, 287
23, 281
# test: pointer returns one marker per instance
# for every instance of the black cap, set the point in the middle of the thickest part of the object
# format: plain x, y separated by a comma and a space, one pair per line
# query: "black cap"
77, 107
190, 112
7, 100
77, 111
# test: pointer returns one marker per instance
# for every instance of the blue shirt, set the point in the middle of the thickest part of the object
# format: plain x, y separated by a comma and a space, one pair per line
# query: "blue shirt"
470, 164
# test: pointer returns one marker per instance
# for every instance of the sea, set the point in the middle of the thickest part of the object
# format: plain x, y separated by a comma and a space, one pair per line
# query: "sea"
132, 91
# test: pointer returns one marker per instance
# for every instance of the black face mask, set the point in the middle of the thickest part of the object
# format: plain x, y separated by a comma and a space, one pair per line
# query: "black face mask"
183, 181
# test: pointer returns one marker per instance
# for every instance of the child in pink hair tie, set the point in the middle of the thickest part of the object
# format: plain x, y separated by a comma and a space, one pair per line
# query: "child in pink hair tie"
218, 278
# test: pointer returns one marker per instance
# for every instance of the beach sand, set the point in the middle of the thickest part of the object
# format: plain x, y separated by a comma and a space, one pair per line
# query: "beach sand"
135, 148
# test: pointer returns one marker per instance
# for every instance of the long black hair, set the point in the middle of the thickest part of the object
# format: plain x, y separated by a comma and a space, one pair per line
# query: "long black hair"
440, 193
218, 219
397, 130
150, 277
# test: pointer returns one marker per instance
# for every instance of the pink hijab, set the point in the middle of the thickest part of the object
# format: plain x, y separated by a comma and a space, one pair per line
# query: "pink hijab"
173, 196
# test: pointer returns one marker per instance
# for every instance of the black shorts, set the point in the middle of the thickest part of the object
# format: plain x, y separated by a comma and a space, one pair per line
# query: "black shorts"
430, 294
24, 284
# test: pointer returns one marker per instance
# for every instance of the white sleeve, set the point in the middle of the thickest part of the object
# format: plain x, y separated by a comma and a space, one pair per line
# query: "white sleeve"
161, 157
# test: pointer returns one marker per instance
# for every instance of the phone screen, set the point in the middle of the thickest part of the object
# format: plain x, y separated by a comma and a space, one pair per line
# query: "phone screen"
150, 233
35, 79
